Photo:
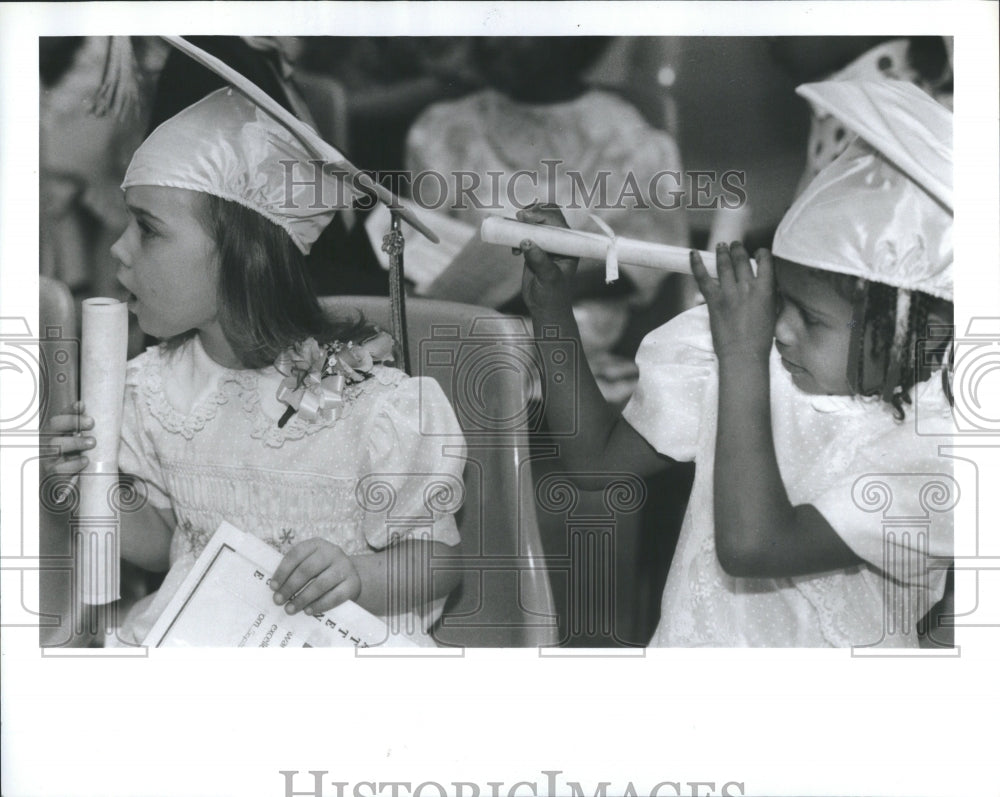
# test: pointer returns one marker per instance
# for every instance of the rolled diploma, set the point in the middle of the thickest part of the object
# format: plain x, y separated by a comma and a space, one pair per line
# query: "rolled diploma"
102, 390
576, 243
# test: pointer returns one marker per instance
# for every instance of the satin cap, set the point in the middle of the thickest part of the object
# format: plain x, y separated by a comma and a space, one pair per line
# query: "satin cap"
232, 143
226, 146
883, 209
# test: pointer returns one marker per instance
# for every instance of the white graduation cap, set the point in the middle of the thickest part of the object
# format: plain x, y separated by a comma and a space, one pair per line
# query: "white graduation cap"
240, 144
883, 209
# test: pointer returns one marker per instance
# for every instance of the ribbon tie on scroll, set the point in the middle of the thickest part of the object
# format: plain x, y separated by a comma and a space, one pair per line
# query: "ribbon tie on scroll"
315, 375
611, 257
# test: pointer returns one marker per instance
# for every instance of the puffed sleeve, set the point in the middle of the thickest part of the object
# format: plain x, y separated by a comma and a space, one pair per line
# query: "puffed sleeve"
416, 454
677, 370
895, 508
136, 453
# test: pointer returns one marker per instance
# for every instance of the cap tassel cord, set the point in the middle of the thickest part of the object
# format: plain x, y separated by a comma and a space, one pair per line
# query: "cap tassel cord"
897, 352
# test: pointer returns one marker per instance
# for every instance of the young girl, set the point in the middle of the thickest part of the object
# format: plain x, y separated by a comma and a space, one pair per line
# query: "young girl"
790, 392
214, 262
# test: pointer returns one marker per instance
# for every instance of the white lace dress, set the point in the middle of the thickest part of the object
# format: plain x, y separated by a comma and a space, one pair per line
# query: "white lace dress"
206, 442
881, 484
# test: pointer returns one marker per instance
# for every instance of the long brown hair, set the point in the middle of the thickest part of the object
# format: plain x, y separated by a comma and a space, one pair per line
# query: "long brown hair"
266, 299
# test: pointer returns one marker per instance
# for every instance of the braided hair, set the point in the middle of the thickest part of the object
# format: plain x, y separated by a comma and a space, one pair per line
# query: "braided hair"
904, 347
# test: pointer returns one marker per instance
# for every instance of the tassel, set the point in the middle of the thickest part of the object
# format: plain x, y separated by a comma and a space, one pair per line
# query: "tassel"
897, 352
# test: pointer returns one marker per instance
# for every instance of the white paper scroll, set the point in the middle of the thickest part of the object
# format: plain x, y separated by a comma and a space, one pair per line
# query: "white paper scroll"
575, 243
102, 390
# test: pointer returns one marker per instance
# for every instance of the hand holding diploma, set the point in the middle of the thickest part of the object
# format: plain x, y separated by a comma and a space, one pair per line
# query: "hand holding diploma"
314, 576
547, 281
70, 423
104, 343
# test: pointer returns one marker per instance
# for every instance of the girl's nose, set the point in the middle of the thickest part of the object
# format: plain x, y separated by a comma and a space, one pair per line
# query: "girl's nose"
784, 327
119, 249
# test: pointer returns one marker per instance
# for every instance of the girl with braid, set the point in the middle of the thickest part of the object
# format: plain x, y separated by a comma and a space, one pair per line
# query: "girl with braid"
812, 395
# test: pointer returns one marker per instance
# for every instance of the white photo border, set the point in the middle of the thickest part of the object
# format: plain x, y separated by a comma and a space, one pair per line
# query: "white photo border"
774, 721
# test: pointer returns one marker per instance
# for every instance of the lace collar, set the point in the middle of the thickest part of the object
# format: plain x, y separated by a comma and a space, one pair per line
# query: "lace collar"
183, 390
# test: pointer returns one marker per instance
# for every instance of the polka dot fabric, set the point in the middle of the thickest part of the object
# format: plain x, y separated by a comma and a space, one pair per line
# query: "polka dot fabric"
827, 135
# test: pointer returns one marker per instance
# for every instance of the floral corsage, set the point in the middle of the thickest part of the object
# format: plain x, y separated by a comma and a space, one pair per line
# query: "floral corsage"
315, 374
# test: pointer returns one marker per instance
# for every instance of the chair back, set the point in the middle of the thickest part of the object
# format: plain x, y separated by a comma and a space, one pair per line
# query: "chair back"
58, 333
483, 361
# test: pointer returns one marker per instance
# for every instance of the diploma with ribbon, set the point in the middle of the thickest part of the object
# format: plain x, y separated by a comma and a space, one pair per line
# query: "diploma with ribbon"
315, 374
612, 249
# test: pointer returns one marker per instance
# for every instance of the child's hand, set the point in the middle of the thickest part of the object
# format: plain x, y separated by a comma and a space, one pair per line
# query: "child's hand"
315, 576
68, 424
547, 280
741, 306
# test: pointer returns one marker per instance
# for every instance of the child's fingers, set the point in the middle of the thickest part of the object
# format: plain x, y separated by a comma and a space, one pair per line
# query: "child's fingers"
724, 268
542, 213
312, 590
69, 423
306, 563
71, 445
296, 582
539, 263
68, 465
285, 582
345, 591
337, 583
708, 286
765, 269
741, 264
